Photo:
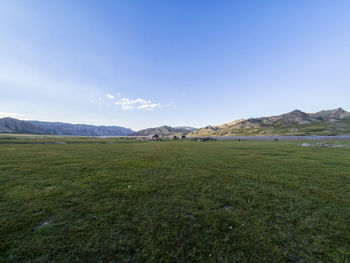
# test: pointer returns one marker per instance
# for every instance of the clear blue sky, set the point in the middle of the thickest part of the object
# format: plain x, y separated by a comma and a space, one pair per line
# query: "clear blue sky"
149, 63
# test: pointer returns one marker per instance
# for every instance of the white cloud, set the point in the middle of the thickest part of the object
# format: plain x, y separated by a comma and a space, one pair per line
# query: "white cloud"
11, 115
130, 104
139, 103
149, 106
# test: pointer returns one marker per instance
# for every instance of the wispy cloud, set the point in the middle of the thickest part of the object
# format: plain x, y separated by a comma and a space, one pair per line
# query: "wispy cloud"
11, 114
149, 106
139, 103
130, 104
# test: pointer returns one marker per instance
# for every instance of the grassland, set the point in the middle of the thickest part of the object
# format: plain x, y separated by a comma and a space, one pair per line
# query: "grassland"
94, 200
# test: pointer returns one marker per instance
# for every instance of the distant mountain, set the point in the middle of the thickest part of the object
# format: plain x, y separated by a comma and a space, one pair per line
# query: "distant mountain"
326, 122
10, 125
298, 123
165, 131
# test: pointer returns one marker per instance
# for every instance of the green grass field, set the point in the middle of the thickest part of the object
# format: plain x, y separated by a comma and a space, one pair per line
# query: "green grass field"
179, 201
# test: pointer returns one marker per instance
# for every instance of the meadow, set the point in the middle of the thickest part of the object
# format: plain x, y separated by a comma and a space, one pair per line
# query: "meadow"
118, 200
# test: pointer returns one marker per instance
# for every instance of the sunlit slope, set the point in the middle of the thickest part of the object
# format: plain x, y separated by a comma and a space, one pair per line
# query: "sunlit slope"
330, 122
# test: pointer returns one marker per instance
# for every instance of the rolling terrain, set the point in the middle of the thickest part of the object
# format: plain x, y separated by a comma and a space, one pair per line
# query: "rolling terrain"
295, 123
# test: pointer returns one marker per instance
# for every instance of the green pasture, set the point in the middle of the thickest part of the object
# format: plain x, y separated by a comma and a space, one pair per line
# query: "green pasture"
118, 200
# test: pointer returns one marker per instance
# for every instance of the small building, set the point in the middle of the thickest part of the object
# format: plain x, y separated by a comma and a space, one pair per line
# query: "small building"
153, 137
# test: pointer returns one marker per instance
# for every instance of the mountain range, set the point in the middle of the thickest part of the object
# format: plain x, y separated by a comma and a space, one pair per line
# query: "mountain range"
295, 123
325, 122
165, 131
14, 126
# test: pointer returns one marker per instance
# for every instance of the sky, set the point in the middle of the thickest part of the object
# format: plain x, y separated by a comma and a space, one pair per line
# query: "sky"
142, 64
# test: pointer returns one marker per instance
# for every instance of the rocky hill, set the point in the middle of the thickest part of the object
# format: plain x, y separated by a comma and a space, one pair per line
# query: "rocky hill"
11, 125
164, 131
326, 122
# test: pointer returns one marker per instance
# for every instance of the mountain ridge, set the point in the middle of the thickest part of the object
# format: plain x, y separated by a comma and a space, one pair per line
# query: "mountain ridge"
15, 126
164, 131
296, 123
325, 122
